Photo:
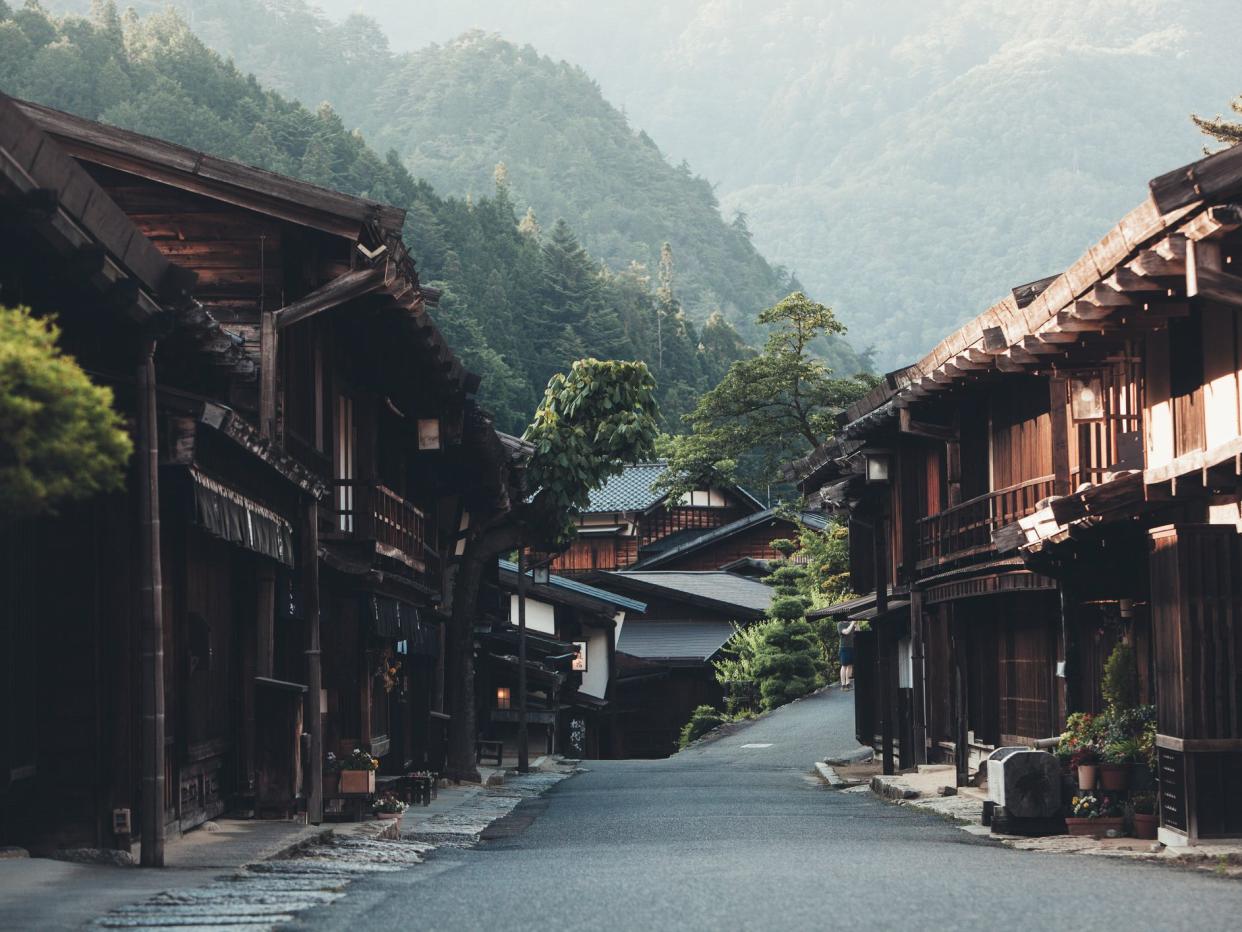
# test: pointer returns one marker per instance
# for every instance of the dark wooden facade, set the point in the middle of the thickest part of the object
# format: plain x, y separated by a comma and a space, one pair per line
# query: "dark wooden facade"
295, 366
1064, 473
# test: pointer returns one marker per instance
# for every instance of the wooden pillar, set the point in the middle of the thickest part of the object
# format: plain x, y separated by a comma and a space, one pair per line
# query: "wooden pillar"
312, 717
957, 648
267, 375
265, 618
884, 647
151, 606
918, 697
1059, 418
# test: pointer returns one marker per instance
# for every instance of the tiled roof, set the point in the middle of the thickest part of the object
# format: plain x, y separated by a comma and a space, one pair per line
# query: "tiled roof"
674, 640
629, 490
591, 592
703, 538
725, 589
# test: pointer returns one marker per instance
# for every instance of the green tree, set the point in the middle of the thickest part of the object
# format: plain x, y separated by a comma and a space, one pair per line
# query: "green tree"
768, 408
60, 439
592, 421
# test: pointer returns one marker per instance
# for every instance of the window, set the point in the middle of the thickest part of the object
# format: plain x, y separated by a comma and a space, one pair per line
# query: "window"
343, 465
704, 498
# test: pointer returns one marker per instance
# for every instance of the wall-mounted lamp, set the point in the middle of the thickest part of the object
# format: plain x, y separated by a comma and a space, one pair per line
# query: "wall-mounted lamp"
1087, 398
541, 575
879, 465
502, 697
429, 433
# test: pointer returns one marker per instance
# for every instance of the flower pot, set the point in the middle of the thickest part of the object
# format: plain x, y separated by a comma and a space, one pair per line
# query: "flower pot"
1114, 776
387, 815
1145, 825
357, 781
1086, 776
1095, 828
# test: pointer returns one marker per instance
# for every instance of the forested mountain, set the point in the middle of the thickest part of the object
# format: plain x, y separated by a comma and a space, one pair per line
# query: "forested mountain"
453, 110
519, 302
909, 159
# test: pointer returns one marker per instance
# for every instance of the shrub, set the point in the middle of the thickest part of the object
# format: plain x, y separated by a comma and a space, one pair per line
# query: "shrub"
1120, 685
786, 662
784, 546
702, 720
60, 439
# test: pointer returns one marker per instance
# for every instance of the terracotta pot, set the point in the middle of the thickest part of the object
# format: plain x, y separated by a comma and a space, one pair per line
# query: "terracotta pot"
387, 815
1145, 825
1114, 776
1086, 776
357, 781
1095, 828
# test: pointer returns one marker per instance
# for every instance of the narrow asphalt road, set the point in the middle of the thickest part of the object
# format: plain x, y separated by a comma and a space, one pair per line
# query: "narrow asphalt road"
735, 834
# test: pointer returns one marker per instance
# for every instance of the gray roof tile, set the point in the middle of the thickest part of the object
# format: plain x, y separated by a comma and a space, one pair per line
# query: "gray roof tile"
716, 585
674, 640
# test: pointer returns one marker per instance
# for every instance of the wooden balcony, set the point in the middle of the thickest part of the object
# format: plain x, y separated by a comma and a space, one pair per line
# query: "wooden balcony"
965, 530
370, 511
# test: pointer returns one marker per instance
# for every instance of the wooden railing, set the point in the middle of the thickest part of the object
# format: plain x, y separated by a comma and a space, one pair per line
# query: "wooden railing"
372, 511
966, 529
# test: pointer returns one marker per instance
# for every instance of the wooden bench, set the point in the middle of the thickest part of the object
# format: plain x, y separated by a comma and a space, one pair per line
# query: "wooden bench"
485, 751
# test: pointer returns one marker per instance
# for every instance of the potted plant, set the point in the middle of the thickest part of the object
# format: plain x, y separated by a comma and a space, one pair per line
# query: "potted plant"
388, 807
358, 773
1085, 761
1095, 816
1114, 771
1079, 745
1143, 815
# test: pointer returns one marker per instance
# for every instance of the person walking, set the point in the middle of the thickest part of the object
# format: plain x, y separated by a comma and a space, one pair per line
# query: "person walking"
846, 631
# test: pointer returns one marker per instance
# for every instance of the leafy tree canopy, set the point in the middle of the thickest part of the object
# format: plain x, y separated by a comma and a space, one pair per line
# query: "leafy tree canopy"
60, 439
768, 408
1219, 128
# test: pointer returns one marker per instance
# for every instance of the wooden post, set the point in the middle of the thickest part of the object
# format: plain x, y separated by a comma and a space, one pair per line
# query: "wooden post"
267, 375
314, 672
884, 646
523, 736
152, 613
957, 648
1059, 419
918, 698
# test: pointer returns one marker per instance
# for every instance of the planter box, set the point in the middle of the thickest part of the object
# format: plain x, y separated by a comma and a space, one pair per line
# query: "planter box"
357, 782
387, 815
1095, 828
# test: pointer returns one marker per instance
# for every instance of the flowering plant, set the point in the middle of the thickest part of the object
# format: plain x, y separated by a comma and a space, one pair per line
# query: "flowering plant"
358, 760
1090, 806
1081, 741
388, 803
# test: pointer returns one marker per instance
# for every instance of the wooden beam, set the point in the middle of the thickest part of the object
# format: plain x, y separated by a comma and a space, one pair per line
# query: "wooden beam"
994, 341
1214, 222
1058, 397
347, 287
1125, 279
1206, 278
906, 424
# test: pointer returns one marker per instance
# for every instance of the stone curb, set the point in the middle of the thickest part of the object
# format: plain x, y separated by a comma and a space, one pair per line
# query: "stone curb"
889, 788
829, 776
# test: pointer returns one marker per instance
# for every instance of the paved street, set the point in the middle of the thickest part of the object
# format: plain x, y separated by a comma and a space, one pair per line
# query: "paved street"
730, 836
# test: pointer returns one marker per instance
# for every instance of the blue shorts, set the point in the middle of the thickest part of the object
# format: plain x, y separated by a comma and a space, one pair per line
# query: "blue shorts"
847, 656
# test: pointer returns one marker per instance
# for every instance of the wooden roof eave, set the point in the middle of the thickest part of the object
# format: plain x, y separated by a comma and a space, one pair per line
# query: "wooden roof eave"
222, 179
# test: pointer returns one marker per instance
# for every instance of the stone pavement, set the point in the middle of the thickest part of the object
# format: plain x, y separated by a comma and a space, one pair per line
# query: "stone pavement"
965, 809
250, 875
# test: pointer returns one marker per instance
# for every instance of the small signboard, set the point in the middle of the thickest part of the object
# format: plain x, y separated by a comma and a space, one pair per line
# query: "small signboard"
579, 664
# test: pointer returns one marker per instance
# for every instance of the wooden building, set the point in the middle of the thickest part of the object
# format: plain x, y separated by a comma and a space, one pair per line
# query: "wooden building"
627, 520
317, 447
1061, 472
665, 653
571, 646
